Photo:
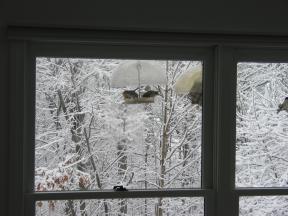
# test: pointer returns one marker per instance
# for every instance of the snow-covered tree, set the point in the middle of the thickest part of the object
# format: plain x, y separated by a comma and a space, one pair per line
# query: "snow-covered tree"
262, 138
87, 138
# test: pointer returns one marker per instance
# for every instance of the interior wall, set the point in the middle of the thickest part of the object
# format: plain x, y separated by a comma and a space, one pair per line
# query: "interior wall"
215, 17
203, 16
4, 123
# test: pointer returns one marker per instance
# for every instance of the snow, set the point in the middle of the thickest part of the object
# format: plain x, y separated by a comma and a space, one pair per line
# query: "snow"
131, 72
263, 205
261, 132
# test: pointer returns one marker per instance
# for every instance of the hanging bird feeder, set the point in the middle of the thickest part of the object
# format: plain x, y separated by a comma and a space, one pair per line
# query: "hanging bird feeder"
190, 83
137, 77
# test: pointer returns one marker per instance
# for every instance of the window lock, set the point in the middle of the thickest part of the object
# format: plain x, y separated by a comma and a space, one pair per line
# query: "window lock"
119, 188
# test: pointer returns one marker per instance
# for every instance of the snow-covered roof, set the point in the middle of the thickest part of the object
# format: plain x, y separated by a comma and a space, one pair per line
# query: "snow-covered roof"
131, 72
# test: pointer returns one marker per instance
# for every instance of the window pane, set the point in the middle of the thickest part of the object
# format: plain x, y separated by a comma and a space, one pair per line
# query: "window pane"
262, 126
263, 205
106, 122
193, 206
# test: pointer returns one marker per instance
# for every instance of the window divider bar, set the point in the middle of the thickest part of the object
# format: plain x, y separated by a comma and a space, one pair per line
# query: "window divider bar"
110, 194
261, 191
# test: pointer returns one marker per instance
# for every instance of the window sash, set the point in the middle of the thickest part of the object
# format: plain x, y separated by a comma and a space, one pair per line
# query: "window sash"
124, 52
262, 55
24, 54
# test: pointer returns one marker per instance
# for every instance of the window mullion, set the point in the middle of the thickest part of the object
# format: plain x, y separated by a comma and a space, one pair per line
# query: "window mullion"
227, 202
208, 156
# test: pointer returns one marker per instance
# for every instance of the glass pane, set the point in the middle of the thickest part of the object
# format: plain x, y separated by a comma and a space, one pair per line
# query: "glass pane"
262, 126
263, 206
193, 206
107, 122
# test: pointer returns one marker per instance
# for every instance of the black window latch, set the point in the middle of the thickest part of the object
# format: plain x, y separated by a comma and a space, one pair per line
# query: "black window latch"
119, 188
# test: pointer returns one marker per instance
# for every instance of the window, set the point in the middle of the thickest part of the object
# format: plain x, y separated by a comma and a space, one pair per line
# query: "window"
265, 205
103, 123
261, 150
261, 162
77, 132
136, 206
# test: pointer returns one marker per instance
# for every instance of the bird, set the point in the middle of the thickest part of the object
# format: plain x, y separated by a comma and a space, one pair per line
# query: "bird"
147, 88
130, 94
283, 106
150, 93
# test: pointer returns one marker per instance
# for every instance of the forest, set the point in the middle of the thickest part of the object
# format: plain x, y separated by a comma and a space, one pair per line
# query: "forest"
262, 135
88, 138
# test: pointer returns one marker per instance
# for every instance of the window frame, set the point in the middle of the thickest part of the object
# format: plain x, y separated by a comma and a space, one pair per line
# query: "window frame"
24, 52
222, 52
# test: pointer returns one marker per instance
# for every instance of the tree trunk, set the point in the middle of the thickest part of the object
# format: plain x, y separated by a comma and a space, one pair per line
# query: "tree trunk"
69, 208
122, 165
164, 149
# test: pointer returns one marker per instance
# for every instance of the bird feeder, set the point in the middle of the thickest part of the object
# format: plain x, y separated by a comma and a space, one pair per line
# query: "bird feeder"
136, 77
190, 83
